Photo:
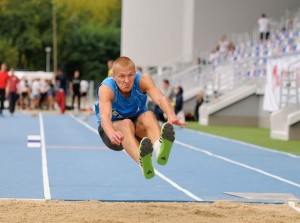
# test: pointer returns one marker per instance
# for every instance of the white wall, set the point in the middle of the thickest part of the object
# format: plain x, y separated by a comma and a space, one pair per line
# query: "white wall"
157, 31
152, 30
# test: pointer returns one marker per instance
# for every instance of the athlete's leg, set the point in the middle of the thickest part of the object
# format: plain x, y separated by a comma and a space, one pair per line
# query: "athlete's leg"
130, 143
140, 152
162, 139
147, 126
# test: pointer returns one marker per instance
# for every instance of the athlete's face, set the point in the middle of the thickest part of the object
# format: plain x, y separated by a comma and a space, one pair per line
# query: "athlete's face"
124, 77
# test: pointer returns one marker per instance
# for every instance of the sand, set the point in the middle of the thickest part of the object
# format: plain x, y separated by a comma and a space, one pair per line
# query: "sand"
132, 212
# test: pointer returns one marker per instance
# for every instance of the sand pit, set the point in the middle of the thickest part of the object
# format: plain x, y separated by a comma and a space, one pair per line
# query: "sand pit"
132, 212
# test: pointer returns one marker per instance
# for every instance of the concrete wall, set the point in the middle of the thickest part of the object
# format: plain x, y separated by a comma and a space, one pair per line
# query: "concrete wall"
157, 31
246, 112
152, 30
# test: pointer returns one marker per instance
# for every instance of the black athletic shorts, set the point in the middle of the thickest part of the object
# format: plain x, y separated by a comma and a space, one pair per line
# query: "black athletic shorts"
107, 141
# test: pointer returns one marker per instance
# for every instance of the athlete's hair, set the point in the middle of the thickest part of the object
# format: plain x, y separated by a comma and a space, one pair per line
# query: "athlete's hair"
123, 62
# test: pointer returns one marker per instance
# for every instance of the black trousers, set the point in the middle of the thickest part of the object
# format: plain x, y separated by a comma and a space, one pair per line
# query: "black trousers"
13, 97
73, 99
2, 98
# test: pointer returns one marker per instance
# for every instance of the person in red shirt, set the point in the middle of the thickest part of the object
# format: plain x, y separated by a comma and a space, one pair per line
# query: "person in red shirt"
4, 86
13, 96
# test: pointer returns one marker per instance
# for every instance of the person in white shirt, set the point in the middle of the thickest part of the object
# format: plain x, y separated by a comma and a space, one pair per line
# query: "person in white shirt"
84, 86
263, 23
44, 88
35, 92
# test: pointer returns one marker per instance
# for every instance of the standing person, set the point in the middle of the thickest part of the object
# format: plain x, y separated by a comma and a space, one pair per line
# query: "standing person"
84, 87
123, 118
178, 99
4, 86
44, 88
263, 23
199, 102
178, 103
51, 95
109, 67
14, 80
35, 92
75, 89
168, 91
61, 83
24, 89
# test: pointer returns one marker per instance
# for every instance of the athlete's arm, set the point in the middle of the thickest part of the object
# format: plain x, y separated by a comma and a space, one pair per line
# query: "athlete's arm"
106, 96
147, 85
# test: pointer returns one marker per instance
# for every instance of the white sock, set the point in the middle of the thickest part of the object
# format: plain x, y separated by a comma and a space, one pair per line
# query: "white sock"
156, 147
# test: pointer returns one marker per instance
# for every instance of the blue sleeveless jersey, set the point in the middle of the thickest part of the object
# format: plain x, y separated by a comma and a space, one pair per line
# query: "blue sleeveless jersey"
124, 107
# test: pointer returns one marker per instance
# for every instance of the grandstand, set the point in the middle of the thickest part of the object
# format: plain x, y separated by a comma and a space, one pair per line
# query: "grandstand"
256, 84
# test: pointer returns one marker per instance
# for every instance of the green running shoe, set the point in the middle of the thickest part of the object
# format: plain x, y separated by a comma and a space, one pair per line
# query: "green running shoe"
145, 154
167, 138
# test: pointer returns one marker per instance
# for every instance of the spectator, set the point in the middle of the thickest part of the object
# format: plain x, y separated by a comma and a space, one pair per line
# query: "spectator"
263, 23
109, 66
75, 89
178, 99
24, 89
199, 102
13, 91
61, 83
168, 92
44, 88
223, 44
35, 92
4, 86
84, 87
139, 69
51, 95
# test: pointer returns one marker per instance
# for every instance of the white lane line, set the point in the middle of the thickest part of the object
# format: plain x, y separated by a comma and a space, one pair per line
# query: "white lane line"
188, 193
237, 163
292, 204
168, 180
47, 193
242, 143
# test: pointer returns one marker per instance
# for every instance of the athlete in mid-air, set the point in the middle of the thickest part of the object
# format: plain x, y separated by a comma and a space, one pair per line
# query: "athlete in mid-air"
124, 120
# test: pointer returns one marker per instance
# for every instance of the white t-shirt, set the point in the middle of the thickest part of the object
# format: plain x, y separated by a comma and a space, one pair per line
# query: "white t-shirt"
263, 25
84, 85
35, 87
44, 86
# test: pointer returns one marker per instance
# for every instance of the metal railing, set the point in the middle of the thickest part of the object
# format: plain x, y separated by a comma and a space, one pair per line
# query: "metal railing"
290, 85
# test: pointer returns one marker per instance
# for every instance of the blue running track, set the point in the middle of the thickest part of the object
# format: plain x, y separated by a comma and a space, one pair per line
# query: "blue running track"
74, 164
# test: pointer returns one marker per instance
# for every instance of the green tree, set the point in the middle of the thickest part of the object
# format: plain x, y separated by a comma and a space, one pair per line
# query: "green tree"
8, 53
88, 33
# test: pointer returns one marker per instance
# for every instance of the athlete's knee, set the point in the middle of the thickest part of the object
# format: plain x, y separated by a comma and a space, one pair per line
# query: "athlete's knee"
127, 124
149, 115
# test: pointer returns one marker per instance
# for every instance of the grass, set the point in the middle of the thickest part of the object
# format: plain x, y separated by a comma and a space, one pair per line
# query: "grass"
257, 136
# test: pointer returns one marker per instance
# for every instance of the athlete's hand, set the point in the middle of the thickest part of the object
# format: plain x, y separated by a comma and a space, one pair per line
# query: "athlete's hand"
176, 121
116, 138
